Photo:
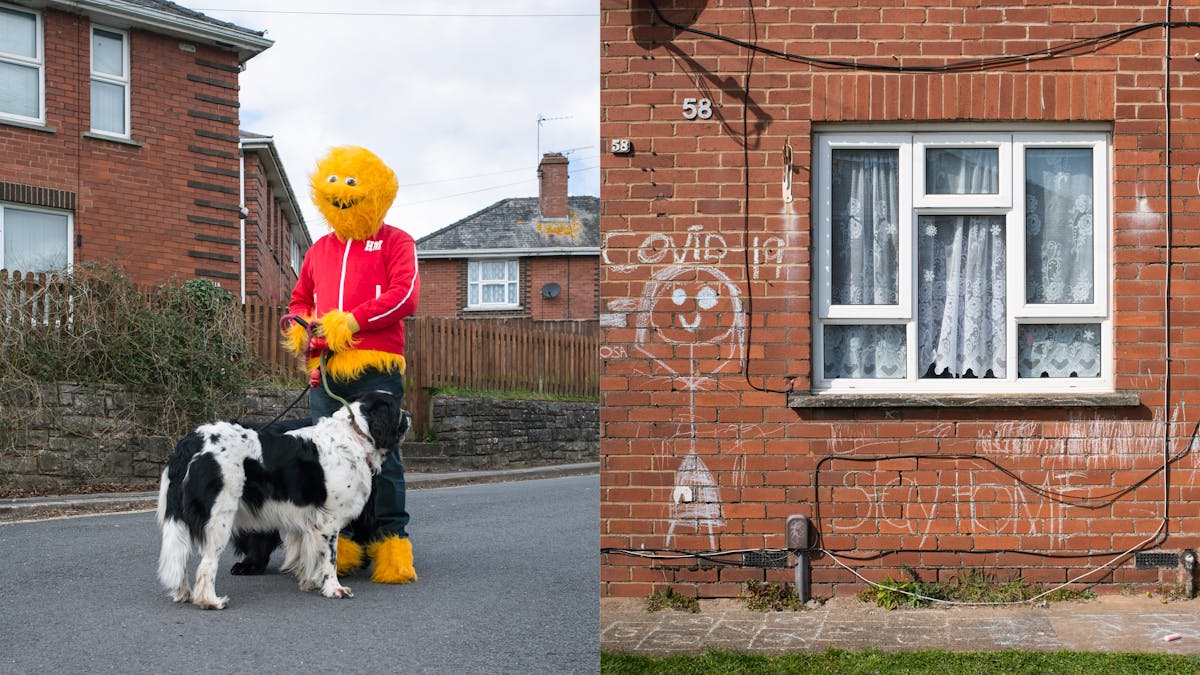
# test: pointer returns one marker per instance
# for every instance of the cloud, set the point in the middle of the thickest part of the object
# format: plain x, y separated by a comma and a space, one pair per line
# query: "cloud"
445, 100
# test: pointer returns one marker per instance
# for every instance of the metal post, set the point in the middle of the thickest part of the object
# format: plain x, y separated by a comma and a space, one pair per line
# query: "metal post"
797, 540
1189, 573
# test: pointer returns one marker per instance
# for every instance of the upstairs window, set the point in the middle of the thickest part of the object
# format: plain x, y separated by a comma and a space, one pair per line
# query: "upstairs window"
962, 263
21, 65
110, 82
34, 240
492, 284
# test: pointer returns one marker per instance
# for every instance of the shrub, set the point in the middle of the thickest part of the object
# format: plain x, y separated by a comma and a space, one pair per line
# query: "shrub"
183, 345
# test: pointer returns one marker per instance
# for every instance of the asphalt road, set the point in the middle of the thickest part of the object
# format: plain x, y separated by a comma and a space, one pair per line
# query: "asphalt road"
509, 583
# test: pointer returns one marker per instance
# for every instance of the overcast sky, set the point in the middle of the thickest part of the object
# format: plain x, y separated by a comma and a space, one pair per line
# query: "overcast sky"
447, 92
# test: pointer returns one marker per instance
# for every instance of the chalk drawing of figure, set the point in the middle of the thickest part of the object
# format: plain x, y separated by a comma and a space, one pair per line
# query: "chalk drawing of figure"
691, 325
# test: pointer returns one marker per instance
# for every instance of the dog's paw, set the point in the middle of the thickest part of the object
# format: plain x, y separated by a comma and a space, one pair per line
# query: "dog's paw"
181, 595
307, 585
248, 567
334, 591
217, 603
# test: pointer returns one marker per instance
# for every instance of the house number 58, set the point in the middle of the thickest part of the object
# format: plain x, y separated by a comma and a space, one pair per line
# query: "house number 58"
693, 108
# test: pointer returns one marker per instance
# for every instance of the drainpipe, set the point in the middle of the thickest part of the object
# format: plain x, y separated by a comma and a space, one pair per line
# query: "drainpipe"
242, 213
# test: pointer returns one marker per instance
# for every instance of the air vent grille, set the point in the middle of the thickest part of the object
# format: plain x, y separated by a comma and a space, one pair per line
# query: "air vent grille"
1149, 561
765, 559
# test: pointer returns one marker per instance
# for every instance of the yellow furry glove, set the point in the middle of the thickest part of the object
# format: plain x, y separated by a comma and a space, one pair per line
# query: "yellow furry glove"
295, 338
338, 329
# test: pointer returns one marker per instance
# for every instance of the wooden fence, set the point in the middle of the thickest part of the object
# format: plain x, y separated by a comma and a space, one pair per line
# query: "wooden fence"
498, 355
262, 331
503, 355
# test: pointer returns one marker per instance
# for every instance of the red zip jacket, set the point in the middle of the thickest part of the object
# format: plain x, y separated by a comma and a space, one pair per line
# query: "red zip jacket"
374, 279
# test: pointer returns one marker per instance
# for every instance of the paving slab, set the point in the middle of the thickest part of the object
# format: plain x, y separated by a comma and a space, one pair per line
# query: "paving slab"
1105, 624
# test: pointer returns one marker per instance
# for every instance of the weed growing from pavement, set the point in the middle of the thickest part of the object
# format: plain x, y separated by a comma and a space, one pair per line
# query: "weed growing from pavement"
669, 599
969, 585
761, 596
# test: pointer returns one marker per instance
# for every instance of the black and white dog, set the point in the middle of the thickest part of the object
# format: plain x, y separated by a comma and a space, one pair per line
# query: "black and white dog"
307, 484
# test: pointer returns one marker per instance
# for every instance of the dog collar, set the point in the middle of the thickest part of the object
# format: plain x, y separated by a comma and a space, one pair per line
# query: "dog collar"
367, 441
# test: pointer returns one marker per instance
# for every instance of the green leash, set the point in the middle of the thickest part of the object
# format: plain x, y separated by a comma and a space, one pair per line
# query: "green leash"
321, 367
325, 382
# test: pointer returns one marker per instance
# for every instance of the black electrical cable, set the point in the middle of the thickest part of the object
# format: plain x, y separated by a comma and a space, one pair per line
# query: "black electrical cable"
1063, 50
712, 557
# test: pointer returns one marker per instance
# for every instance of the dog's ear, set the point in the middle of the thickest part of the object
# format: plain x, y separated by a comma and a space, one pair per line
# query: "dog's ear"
405, 424
385, 419
379, 404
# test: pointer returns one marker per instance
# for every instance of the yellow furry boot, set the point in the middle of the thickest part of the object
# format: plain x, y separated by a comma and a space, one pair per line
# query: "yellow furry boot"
349, 555
393, 560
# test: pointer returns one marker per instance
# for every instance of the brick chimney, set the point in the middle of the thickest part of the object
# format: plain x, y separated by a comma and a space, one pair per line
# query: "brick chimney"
552, 186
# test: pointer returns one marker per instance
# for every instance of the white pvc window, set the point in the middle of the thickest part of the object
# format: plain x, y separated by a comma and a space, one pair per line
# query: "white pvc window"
22, 67
492, 284
297, 258
110, 82
968, 265
34, 240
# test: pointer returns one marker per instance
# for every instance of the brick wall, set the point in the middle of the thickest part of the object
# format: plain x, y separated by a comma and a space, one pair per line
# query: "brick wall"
269, 273
444, 288
577, 279
718, 420
165, 205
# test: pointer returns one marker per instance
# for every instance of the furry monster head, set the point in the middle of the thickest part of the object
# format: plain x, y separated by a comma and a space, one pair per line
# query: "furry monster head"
354, 190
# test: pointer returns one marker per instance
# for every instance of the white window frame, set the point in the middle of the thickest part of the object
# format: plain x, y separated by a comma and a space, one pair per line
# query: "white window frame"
297, 257
39, 62
1003, 145
5, 206
1010, 203
494, 305
902, 309
107, 78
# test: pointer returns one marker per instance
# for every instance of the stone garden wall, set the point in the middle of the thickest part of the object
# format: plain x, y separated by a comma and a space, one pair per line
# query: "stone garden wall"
77, 436
486, 433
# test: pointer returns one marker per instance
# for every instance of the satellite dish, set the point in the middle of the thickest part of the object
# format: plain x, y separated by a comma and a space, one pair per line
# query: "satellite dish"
551, 290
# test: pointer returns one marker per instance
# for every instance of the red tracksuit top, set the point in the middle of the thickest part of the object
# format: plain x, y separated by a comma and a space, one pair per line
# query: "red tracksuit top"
374, 279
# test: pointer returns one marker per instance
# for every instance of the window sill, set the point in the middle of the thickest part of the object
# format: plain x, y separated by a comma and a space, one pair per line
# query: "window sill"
29, 125
111, 139
498, 308
1117, 399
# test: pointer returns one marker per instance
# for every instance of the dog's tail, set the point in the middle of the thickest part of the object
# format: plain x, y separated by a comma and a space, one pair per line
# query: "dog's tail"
163, 483
173, 558
176, 542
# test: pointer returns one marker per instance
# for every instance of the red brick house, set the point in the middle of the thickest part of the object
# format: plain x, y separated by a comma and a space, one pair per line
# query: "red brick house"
922, 273
275, 235
119, 142
532, 257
